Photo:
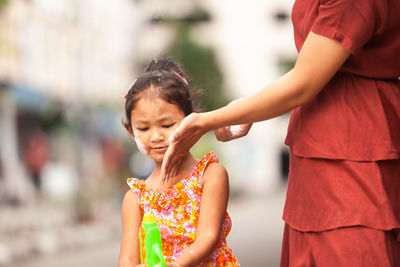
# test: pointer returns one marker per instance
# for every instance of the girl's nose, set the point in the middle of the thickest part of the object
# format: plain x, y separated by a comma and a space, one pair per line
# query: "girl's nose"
157, 136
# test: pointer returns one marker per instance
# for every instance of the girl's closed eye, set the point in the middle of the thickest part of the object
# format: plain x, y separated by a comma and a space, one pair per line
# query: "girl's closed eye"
168, 125
142, 129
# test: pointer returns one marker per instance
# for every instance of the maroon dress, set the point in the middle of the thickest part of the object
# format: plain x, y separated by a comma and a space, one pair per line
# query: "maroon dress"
344, 183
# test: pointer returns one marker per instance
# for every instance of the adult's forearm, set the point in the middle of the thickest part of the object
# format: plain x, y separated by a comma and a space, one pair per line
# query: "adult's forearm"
273, 100
318, 61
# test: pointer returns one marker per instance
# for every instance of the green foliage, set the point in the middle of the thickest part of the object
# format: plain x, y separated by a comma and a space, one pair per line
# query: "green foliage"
201, 64
286, 64
3, 3
198, 60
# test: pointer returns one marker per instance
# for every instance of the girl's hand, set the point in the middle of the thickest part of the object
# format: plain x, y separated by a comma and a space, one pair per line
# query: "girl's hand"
229, 133
182, 139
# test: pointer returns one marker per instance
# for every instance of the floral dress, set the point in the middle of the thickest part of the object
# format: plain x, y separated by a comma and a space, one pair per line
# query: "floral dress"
177, 211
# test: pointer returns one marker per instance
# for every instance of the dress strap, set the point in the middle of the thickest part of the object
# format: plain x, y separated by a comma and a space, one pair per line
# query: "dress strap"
137, 186
210, 157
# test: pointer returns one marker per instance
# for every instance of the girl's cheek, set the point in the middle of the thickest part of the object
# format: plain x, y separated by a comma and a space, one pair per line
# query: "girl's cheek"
140, 145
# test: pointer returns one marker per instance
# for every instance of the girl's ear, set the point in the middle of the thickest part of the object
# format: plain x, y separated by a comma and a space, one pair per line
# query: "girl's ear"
132, 135
130, 131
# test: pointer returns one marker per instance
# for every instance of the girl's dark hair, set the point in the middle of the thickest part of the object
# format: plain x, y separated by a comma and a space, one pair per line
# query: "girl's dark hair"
167, 81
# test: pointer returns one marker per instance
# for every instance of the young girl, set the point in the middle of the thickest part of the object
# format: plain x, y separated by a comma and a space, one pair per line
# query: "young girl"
190, 209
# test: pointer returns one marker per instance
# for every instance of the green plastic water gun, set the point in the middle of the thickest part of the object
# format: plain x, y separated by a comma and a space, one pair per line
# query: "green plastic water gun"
150, 242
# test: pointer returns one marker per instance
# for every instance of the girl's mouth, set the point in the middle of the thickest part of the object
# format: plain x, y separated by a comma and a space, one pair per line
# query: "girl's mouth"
160, 149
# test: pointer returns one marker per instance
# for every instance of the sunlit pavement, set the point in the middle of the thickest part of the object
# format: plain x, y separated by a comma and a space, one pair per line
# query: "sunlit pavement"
255, 237
257, 229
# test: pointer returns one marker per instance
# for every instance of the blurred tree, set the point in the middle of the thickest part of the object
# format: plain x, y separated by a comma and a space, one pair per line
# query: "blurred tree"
198, 60
286, 64
3, 3
201, 64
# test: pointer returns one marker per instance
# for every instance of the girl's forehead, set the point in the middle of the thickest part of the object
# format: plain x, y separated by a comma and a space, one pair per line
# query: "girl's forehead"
155, 108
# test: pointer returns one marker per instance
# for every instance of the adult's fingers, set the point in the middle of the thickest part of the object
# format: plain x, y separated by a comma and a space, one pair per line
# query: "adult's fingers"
183, 128
184, 137
169, 162
229, 133
238, 131
223, 134
174, 157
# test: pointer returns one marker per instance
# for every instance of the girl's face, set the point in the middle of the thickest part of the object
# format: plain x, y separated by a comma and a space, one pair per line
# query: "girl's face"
153, 121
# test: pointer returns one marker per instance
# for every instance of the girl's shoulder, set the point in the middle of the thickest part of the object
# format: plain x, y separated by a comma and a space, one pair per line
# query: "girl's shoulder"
208, 164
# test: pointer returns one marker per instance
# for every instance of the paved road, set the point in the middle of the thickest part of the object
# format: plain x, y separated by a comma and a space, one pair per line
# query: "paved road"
255, 238
256, 234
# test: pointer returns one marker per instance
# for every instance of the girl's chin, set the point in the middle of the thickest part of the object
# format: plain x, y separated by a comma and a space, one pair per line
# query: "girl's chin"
158, 158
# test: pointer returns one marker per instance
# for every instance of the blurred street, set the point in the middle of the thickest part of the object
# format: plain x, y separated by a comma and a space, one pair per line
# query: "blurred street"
255, 237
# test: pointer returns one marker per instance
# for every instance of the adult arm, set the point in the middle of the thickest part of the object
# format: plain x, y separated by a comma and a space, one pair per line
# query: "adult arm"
213, 206
318, 61
131, 219
231, 132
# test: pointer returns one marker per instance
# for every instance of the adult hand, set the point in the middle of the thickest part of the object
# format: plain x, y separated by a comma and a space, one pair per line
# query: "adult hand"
182, 139
229, 133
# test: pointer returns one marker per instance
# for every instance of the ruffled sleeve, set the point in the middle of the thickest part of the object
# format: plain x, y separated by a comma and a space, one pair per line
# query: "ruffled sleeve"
137, 186
351, 22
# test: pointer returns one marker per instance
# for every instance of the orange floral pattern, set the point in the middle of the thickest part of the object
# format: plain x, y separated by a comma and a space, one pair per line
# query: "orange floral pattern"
177, 211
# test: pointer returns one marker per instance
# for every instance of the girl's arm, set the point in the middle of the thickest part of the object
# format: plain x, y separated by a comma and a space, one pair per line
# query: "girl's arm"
131, 219
213, 206
318, 61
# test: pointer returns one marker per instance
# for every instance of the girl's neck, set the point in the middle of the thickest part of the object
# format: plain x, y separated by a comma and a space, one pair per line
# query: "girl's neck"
187, 165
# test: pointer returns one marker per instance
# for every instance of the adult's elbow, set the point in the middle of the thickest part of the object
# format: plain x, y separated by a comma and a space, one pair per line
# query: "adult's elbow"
304, 95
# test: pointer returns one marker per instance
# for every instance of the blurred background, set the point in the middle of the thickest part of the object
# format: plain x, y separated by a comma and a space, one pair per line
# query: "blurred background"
65, 67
